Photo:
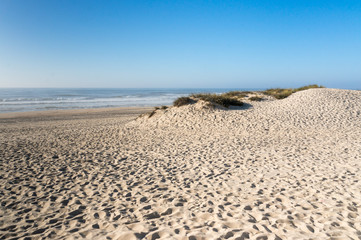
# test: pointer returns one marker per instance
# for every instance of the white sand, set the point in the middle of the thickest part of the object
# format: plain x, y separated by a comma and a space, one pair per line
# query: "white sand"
284, 169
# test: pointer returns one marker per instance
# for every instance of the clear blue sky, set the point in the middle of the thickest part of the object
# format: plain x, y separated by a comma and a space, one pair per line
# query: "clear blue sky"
240, 44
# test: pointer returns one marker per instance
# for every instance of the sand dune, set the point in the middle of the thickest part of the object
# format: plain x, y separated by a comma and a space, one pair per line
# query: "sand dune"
283, 169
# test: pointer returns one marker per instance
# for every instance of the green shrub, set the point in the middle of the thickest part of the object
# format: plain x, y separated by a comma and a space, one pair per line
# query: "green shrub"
281, 93
222, 100
256, 98
232, 98
182, 101
308, 87
238, 94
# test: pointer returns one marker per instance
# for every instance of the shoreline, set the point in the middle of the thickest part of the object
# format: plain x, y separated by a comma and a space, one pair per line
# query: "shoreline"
72, 113
79, 107
19, 100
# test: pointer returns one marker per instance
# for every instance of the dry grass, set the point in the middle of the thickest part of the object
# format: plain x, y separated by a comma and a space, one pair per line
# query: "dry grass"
281, 93
308, 87
150, 114
181, 101
237, 94
256, 98
232, 98
223, 99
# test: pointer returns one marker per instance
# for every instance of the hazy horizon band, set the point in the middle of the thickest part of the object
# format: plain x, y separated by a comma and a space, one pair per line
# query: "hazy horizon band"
40, 99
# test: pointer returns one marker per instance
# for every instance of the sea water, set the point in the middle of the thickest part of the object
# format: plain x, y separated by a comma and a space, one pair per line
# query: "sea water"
40, 99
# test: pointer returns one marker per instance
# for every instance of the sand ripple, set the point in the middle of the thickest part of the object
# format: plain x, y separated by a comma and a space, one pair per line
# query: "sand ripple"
287, 169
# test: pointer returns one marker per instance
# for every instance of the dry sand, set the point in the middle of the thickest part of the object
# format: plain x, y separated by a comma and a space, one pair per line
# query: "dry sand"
283, 169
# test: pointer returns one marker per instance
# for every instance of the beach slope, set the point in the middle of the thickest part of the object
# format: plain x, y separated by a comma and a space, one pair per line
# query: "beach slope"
282, 169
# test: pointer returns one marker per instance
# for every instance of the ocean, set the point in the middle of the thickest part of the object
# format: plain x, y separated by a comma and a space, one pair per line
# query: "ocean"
40, 99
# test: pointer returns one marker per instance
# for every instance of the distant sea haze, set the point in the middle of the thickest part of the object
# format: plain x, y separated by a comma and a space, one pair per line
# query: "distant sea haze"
40, 99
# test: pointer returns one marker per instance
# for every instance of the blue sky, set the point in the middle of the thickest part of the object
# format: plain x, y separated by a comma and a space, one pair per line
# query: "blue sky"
231, 44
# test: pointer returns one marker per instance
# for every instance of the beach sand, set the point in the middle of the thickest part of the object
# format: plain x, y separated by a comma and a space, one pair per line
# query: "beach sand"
282, 169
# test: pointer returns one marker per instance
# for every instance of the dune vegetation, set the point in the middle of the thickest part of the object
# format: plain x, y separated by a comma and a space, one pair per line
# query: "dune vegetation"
222, 99
255, 98
281, 93
183, 101
234, 98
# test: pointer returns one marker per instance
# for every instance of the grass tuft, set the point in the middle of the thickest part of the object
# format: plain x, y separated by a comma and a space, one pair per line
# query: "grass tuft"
281, 93
181, 101
222, 99
256, 98
308, 87
152, 113
232, 98
237, 94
